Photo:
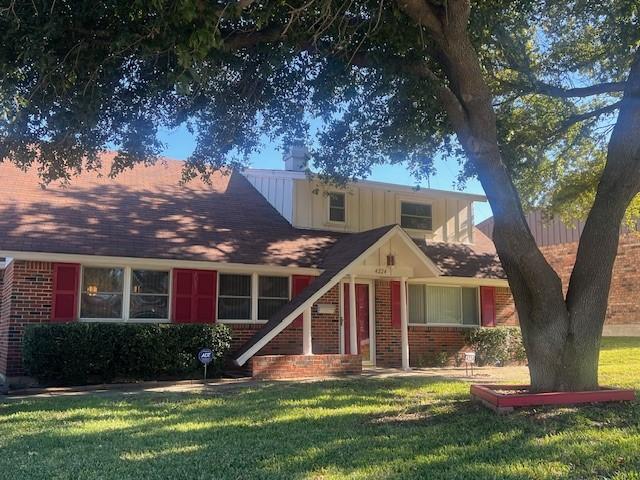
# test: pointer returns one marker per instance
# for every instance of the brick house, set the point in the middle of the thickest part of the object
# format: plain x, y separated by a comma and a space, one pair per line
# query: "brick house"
559, 244
309, 277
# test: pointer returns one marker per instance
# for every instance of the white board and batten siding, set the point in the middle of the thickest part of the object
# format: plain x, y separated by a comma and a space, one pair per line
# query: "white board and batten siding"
370, 207
278, 190
305, 204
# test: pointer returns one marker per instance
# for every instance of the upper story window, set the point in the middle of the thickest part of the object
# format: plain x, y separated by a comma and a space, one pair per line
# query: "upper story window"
234, 297
273, 294
149, 294
337, 207
430, 304
102, 292
416, 216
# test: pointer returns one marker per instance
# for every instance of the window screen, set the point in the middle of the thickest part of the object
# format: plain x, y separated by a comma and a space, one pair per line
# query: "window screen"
415, 216
149, 294
102, 290
234, 297
273, 294
337, 207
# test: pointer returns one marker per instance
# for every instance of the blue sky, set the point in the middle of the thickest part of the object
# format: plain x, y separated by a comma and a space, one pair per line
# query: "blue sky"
179, 144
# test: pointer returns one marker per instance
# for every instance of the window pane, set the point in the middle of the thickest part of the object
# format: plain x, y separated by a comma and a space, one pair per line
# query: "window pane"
101, 292
149, 281
415, 216
470, 306
102, 280
268, 307
235, 285
417, 223
416, 304
234, 308
149, 306
336, 200
443, 305
101, 305
416, 209
336, 214
277, 287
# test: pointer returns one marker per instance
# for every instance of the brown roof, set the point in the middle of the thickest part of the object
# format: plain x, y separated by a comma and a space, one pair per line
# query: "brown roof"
344, 252
479, 260
145, 212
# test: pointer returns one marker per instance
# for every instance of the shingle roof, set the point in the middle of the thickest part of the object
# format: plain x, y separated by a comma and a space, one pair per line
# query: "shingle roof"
145, 212
343, 253
479, 260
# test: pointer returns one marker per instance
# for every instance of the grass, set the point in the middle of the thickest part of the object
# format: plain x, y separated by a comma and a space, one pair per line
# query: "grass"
367, 428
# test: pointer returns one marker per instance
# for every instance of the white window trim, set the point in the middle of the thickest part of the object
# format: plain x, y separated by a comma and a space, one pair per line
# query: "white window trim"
456, 325
126, 296
254, 297
336, 222
416, 201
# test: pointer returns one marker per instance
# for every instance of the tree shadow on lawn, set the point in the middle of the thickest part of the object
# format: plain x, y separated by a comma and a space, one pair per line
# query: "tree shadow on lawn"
373, 428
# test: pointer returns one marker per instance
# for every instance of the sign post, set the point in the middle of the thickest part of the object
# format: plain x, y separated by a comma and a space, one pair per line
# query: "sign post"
469, 361
206, 357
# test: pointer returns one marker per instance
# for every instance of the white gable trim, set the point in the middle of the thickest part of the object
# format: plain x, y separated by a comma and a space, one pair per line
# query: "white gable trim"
242, 359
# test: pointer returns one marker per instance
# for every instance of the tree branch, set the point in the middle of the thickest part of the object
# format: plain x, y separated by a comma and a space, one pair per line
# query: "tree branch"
237, 41
424, 14
560, 92
581, 117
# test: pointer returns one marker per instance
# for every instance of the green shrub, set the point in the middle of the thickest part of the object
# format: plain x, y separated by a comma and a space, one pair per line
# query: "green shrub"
497, 345
78, 353
434, 360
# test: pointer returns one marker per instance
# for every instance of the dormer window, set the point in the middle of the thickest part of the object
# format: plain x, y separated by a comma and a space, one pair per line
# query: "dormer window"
416, 216
337, 207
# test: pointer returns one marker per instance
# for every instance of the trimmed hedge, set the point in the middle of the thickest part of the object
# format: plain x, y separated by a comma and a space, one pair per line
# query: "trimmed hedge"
497, 345
80, 353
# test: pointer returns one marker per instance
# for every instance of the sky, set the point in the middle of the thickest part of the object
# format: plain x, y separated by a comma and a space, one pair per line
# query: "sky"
179, 144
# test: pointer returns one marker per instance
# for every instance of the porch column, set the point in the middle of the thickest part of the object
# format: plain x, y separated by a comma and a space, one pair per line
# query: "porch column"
404, 324
353, 323
307, 347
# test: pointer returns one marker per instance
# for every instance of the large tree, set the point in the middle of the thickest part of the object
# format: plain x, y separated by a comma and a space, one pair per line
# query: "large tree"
538, 99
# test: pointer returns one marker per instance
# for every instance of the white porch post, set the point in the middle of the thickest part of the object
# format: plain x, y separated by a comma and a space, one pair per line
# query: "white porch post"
353, 324
307, 346
404, 324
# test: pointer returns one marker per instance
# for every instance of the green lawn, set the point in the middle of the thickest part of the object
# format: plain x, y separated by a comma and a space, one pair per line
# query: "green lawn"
391, 428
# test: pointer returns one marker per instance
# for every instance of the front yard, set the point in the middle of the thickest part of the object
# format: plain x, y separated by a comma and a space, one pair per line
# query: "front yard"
408, 427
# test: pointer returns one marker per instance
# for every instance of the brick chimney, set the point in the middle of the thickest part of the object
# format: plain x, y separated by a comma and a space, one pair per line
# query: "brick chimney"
296, 158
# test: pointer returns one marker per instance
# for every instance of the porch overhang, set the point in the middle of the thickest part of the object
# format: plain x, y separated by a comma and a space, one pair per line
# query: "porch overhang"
357, 252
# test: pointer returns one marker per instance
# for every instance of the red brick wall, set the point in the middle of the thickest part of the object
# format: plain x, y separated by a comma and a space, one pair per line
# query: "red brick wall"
276, 367
624, 295
26, 298
424, 342
324, 331
388, 346
427, 344
505, 308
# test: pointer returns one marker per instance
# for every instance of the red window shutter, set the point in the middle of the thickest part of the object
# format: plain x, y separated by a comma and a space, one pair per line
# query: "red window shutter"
488, 306
66, 288
183, 283
205, 296
395, 305
298, 284
194, 296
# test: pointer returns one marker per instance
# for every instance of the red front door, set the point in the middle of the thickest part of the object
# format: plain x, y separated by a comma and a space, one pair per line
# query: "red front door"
362, 320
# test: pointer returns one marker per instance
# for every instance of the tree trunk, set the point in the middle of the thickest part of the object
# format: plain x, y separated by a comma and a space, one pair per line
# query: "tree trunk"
561, 336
